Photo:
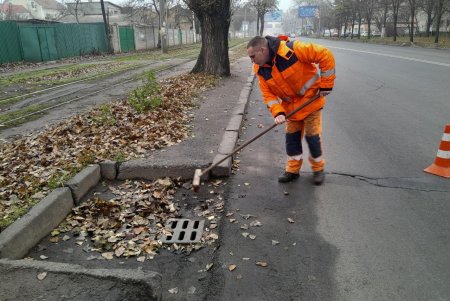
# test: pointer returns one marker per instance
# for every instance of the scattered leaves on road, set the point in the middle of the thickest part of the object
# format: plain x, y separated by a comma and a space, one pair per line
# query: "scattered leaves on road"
231, 267
255, 223
262, 263
41, 276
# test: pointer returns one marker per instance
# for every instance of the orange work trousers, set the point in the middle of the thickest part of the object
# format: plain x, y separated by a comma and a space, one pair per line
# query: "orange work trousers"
311, 129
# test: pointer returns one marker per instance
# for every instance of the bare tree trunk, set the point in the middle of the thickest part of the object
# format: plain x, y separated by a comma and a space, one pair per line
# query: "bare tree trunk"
439, 13
257, 24
412, 9
213, 58
395, 8
262, 25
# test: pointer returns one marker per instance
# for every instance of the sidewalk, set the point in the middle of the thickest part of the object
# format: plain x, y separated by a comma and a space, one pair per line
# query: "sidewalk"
172, 274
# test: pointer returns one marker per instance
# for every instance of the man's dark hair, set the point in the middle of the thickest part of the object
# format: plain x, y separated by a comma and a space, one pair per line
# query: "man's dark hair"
257, 41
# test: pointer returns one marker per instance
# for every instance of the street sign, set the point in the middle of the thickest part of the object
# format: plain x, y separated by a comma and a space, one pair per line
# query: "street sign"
274, 16
308, 11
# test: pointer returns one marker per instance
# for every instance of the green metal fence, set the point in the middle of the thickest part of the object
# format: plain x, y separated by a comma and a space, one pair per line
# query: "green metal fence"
79, 39
126, 35
44, 42
10, 48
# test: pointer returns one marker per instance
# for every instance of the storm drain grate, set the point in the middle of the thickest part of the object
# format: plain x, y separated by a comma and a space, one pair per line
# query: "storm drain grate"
184, 231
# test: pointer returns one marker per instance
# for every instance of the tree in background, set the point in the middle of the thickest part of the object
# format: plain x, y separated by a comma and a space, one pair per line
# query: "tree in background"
412, 11
368, 12
395, 8
429, 8
214, 17
441, 7
262, 8
243, 13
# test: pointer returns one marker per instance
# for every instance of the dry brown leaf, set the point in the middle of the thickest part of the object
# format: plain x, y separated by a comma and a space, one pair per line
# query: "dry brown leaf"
262, 263
107, 255
41, 276
141, 258
290, 220
231, 267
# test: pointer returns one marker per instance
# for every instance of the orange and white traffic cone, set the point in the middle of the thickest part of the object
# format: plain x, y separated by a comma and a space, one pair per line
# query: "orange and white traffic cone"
441, 166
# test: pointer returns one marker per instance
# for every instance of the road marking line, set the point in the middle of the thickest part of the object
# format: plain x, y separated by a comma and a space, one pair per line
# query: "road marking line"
393, 56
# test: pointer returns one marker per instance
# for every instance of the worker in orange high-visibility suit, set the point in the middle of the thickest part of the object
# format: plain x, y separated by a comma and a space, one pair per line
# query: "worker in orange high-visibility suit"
290, 73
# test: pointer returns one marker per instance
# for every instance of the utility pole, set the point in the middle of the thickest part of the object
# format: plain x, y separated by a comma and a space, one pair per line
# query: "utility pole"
162, 25
105, 22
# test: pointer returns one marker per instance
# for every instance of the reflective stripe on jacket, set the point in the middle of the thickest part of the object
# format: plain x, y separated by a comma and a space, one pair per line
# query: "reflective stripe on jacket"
293, 77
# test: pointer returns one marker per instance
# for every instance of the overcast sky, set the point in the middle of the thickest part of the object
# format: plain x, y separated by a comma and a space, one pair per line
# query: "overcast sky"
285, 4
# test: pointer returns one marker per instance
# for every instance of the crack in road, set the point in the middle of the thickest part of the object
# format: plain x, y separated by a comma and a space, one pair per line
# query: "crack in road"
371, 180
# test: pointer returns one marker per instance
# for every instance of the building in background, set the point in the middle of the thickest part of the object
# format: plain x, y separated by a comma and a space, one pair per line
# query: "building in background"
38, 9
91, 12
9, 11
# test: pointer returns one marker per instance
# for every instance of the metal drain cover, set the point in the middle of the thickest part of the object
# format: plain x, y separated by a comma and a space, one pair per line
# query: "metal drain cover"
184, 231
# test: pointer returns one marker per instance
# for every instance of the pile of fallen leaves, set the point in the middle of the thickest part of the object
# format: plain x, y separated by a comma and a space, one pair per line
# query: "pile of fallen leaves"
132, 223
30, 167
127, 225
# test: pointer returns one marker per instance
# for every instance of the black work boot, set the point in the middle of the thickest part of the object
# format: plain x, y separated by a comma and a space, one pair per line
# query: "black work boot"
318, 177
288, 177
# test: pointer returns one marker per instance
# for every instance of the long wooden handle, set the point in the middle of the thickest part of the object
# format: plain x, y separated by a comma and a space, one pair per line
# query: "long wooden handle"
260, 134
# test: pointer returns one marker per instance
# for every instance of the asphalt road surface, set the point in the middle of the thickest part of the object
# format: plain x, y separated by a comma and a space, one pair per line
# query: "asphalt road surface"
379, 228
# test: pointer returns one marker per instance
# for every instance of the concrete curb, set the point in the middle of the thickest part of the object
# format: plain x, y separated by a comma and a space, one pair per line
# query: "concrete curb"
76, 282
231, 135
83, 181
23, 234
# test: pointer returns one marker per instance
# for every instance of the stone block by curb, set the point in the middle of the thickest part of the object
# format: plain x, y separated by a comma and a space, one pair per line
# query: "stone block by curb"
224, 168
24, 233
235, 123
108, 170
83, 181
64, 281
229, 140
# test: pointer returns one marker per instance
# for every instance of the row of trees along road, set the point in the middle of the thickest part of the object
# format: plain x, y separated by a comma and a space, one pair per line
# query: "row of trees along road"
384, 13
215, 17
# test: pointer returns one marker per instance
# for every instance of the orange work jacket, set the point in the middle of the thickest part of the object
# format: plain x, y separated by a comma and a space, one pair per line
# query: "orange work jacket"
293, 78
